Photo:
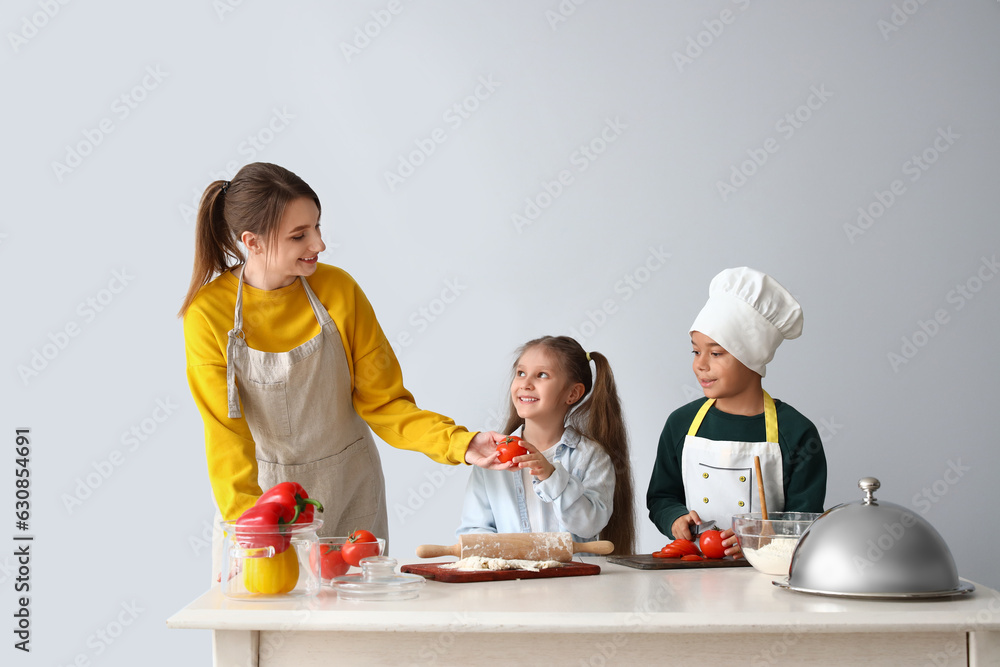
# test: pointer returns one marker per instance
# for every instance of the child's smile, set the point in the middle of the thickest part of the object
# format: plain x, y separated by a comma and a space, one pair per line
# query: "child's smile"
540, 389
721, 375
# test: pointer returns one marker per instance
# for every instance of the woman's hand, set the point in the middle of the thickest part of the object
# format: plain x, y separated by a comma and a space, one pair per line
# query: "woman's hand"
535, 462
483, 452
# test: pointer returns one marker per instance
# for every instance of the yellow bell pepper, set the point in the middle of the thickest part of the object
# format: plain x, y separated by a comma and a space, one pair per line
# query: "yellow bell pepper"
271, 576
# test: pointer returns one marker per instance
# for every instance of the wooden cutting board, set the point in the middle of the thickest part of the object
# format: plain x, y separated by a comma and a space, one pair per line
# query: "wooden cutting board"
648, 562
435, 572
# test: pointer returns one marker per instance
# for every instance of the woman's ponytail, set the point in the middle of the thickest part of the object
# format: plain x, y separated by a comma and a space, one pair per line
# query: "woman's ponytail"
215, 248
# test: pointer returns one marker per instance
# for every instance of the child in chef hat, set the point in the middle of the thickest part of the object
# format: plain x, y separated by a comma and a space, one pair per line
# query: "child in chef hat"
704, 470
576, 477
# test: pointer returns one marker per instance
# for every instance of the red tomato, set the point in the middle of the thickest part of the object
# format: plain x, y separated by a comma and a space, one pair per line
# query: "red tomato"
331, 561
668, 552
685, 546
692, 557
510, 448
360, 544
361, 536
711, 544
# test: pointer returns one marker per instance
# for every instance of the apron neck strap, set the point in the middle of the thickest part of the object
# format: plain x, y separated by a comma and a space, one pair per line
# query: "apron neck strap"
321, 313
770, 418
234, 347
238, 315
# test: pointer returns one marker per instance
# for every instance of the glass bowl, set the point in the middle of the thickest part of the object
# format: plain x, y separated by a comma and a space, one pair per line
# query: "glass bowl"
327, 561
267, 564
768, 544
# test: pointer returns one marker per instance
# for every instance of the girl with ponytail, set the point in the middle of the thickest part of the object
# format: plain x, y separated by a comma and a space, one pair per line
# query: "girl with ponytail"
576, 476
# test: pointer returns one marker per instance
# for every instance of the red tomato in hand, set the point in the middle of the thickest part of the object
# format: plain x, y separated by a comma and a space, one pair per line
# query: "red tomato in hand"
510, 448
331, 561
711, 544
360, 544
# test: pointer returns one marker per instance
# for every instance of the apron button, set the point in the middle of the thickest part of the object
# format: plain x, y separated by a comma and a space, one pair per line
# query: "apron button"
704, 500
740, 503
705, 475
743, 478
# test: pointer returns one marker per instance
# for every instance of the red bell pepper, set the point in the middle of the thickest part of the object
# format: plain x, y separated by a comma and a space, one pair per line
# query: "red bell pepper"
294, 497
262, 526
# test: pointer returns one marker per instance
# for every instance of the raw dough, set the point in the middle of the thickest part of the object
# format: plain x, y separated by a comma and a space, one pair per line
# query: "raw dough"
482, 563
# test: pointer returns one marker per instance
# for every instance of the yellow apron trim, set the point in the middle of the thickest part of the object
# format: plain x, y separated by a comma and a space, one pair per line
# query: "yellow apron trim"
770, 418
696, 424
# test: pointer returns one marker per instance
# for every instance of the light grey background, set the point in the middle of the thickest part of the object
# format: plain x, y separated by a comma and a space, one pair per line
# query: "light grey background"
673, 99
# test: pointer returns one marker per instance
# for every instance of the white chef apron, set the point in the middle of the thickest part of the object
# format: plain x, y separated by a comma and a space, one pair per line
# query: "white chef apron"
299, 409
719, 474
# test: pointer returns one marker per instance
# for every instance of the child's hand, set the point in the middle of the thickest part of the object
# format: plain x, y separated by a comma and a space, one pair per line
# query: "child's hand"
730, 543
681, 528
538, 466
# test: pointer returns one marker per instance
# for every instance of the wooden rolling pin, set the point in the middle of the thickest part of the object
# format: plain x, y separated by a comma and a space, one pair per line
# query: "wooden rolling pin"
517, 546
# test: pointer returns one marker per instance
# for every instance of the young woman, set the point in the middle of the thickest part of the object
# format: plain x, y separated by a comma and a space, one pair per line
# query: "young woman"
576, 476
288, 365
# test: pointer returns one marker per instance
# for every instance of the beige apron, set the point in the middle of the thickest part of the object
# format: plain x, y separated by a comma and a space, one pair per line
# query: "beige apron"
719, 475
299, 410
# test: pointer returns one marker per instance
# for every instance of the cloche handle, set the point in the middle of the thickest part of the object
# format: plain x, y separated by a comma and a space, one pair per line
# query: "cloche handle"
869, 485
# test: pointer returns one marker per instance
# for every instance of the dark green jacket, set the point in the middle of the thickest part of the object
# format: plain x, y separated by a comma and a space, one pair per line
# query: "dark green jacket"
803, 461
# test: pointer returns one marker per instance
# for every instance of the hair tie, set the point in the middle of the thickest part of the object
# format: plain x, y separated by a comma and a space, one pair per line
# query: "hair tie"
588, 357
225, 186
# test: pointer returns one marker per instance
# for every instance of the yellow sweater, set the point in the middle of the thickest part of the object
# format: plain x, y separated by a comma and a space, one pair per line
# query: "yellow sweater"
278, 321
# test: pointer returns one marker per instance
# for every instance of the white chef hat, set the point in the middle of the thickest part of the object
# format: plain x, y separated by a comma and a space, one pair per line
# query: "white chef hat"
749, 314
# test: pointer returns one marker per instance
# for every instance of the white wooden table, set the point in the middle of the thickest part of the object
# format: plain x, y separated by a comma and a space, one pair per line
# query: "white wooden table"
622, 616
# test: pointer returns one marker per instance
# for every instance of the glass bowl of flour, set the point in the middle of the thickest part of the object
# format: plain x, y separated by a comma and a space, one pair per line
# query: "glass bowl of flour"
768, 544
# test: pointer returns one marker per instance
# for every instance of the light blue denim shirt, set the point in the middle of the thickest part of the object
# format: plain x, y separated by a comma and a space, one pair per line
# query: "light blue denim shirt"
576, 497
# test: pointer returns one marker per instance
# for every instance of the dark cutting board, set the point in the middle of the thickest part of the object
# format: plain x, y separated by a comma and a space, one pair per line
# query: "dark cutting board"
435, 572
648, 562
